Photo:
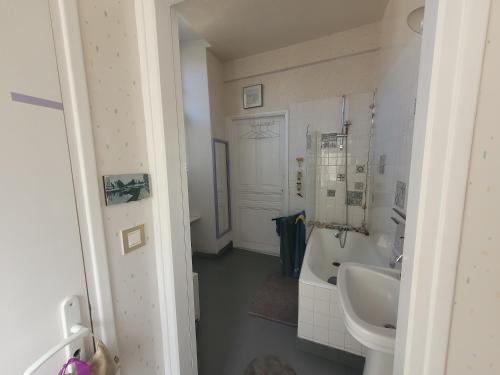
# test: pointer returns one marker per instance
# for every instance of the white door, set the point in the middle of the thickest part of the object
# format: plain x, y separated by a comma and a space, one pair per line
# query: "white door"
40, 252
259, 176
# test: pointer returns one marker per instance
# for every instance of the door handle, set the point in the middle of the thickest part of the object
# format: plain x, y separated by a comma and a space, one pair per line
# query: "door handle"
77, 332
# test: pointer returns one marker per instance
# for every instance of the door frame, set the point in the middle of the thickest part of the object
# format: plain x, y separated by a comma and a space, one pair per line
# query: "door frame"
438, 180
285, 156
72, 77
159, 56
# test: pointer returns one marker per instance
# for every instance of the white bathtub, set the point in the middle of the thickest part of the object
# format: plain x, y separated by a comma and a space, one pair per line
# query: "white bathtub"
320, 314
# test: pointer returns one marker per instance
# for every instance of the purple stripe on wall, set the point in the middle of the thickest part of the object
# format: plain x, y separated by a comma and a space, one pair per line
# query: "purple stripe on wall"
33, 100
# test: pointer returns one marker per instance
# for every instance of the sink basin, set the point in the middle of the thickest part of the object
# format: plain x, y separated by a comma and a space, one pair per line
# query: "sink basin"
369, 297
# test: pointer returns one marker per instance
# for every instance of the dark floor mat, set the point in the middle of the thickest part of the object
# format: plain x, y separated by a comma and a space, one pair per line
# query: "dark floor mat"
269, 365
277, 300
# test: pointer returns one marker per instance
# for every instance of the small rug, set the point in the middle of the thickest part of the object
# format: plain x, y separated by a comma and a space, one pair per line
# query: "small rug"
269, 365
277, 300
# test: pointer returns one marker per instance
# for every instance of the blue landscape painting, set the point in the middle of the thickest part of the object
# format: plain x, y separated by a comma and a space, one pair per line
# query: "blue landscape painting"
125, 188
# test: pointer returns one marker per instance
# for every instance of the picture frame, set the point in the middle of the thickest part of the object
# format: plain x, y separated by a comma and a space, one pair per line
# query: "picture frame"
253, 96
124, 188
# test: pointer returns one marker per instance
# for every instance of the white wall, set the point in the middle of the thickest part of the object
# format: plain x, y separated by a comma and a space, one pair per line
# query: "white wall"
198, 143
112, 67
393, 131
474, 346
395, 110
203, 118
307, 79
215, 72
356, 41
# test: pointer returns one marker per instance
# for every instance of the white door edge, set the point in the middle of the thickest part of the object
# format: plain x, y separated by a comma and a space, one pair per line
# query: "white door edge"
158, 42
450, 72
69, 50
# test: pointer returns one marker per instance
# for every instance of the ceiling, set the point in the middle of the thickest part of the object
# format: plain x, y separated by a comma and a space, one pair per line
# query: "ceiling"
239, 28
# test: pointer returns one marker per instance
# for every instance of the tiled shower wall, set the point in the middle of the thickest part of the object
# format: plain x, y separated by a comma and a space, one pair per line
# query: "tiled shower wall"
325, 164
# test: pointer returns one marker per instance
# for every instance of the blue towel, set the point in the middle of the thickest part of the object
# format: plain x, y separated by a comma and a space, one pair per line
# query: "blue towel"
292, 234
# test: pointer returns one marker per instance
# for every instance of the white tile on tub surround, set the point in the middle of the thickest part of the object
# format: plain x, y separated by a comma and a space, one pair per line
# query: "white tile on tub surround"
322, 306
306, 290
336, 310
320, 335
305, 330
337, 324
306, 316
334, 295
306, 303
322, 293
321, 320
335, 306
336, 339
352, 345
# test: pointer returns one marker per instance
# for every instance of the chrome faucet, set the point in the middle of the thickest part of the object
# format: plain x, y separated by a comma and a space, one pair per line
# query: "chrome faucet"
398, 254
396, 260
342, 234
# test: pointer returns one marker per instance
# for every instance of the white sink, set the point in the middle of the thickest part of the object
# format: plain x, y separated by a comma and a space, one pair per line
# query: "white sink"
369, 297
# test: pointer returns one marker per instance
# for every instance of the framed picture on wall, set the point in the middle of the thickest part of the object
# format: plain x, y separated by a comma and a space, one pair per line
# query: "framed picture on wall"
124, 188
252, 96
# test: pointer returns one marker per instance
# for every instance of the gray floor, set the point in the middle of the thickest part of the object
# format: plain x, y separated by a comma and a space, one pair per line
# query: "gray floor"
228, 337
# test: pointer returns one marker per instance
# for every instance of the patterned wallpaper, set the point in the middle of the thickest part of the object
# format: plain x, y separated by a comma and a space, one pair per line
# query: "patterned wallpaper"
112, 67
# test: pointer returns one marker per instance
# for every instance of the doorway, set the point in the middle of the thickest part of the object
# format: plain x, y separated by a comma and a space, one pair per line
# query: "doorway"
425, 78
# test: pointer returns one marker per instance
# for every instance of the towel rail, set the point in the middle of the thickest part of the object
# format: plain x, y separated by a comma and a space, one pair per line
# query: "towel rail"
77, 332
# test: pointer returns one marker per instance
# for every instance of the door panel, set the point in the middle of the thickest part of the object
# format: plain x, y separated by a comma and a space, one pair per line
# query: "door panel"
248, 170
40, 255
258, 230
259, 162
270, 163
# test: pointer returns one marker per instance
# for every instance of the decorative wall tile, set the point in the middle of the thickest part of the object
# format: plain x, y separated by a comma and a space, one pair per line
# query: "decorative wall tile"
359, 185
330, 193
360, 169
354, 198
329, 140
400, 196
381, 164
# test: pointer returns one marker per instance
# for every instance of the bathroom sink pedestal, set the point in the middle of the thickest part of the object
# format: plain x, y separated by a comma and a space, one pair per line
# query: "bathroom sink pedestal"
369, 297
378, 363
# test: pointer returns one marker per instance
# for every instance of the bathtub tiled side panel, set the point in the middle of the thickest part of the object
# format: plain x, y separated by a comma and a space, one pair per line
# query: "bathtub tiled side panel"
306, 311
321, 319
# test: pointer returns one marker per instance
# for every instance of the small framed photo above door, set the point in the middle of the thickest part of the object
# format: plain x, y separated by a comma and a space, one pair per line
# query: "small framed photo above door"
252, 96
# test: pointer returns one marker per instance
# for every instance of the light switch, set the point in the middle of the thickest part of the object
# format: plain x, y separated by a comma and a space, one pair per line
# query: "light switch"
133, 238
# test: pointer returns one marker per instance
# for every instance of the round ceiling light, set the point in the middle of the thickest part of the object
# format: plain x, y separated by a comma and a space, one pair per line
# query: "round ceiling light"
416, 20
